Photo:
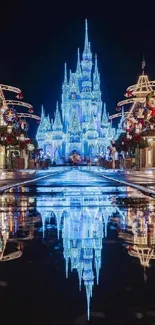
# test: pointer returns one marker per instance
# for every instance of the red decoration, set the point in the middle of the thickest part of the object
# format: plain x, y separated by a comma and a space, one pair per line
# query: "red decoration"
153, 111
22, 145
31, 110
152, 120
128, 93
118, 108
9, 140
27, 141
20, 95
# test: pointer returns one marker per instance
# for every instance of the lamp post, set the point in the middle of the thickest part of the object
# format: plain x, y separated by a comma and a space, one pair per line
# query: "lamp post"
113, 154
30, 148
22, 139
137, 151
9, 131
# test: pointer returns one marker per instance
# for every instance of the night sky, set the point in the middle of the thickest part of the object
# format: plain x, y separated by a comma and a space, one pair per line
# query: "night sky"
37, 37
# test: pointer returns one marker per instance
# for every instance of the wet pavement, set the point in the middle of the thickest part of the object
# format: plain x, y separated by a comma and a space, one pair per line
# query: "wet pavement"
75, 246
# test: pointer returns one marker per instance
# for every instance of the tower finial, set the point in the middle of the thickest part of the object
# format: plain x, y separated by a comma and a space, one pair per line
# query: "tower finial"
143, 64
86, 45
42, 111
78, 68
78, 54
65, 73
96, 67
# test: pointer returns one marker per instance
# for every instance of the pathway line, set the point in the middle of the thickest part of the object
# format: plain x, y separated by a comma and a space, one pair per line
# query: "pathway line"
7, 187
141, 188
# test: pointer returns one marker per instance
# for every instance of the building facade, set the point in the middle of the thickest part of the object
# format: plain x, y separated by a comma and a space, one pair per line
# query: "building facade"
81, 123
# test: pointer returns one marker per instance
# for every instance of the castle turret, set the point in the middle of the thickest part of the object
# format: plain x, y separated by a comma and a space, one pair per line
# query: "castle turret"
57, 125
86, 63
74, 126
43, 130
91, 136
96, 77
91, 124
104, 122
78, 68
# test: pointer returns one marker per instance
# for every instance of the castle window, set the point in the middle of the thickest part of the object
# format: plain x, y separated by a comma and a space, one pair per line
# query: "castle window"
94, 233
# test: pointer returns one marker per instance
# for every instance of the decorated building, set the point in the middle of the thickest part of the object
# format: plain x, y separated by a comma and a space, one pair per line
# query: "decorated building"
136, 129
81, 123
82, 223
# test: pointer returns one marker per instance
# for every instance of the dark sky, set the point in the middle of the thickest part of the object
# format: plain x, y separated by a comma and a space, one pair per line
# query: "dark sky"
36, 39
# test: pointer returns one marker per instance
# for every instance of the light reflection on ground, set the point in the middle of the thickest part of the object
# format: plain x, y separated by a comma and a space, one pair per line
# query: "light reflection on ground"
86, 239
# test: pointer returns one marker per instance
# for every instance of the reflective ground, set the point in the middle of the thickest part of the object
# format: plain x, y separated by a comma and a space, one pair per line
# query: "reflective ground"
76, 247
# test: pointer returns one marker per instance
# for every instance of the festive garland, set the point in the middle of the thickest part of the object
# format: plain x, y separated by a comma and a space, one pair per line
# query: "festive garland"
128, 125
10, 115
1, 102
139, 111
24, 125
150, 104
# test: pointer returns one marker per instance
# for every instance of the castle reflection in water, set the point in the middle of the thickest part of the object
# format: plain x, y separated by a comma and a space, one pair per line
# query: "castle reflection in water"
83, 218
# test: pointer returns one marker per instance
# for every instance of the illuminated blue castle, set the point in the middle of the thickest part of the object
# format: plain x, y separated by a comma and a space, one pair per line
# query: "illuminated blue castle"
82, 123
82, 223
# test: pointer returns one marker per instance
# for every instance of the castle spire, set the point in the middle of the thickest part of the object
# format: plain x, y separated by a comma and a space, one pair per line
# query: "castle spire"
65, 74
57, 125
96, 73
96, 76
42, 112
104, 116
70, 78
91, 124
74, 125
86, 44
78, 68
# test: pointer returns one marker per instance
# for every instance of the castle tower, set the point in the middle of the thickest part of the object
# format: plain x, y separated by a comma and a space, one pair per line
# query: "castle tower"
80, 119
86, 63
57, 137
57, 125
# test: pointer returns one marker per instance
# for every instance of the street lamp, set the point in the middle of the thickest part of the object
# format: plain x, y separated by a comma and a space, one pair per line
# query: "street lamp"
30, 148
22, 137
113, 151
137, 130
9, 131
